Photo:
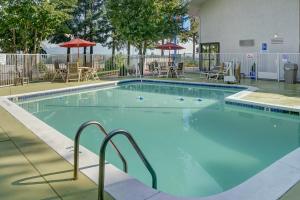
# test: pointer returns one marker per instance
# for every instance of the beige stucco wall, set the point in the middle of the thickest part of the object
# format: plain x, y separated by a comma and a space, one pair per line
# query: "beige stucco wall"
228, 21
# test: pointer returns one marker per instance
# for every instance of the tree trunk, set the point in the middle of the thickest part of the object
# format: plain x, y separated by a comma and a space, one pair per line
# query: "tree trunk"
113, 54
128, 54
162, 51
35, 42
84, 56
91, 56
68, 54
91, 27
194, 46
14, 41
141, 59
142, 52
144, 57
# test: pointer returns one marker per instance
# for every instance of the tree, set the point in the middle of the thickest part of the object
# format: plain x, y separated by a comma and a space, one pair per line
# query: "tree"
192, 34
114, 43
26, 23
90, 22
143, 23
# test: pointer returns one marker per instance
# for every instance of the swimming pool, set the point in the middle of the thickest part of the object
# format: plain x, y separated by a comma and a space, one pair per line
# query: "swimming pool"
197, 144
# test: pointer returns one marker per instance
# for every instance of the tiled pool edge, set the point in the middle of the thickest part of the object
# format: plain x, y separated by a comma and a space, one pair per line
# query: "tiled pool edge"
61, 90
237, 100
271, 183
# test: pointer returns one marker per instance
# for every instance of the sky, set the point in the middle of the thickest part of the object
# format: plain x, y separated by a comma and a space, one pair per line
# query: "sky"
55, 49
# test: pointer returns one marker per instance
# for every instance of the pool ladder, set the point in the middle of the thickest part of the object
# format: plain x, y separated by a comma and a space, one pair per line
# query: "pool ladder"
106, 140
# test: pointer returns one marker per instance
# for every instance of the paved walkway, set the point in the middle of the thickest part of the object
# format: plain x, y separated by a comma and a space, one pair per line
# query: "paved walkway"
30, 169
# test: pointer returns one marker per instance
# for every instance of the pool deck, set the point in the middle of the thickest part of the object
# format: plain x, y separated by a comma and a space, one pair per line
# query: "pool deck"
30, 168
273, 99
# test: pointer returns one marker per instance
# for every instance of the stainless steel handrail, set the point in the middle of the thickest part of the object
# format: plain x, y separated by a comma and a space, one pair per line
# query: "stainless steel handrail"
102, 160
76, 147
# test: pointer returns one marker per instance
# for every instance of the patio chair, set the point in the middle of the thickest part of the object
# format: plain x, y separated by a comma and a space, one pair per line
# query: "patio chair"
59, 72
179, 71
163, 70
92, 73
21, 79
153, 69
73, 73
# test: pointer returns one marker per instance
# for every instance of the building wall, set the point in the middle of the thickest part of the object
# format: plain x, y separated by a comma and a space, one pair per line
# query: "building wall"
229, 21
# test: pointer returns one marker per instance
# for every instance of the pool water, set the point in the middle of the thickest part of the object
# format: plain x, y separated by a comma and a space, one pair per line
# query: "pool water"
198, 145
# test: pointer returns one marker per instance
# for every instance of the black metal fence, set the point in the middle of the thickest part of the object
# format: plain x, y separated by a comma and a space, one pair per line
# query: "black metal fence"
41, 67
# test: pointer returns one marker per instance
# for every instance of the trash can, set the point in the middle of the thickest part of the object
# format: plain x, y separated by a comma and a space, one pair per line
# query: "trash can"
290, 73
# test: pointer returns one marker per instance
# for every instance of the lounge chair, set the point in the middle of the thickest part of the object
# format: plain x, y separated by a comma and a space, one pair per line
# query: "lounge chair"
204, 74
217, 72
59, 72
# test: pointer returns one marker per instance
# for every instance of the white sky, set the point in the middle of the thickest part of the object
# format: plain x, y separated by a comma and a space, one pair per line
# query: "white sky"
55, 49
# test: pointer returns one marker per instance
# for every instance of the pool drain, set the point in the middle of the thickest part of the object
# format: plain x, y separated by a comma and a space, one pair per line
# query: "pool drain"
140, 98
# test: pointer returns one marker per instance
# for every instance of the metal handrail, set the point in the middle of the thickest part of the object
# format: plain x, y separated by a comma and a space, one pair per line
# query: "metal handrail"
76, 147
102, 160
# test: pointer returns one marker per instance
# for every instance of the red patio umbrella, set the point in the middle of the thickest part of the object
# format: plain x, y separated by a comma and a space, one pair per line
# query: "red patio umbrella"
169, 46
77, 43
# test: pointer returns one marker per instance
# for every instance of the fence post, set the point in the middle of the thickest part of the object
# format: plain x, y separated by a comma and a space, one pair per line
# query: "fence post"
257, 66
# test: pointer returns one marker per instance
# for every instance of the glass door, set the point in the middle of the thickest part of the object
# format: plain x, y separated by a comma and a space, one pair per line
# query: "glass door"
209, 55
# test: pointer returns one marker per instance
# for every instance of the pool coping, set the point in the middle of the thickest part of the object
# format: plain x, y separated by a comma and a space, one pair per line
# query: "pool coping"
238, 100
271, 183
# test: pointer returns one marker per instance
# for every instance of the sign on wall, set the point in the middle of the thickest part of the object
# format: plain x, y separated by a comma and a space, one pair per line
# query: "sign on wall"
250, 55
264, 47
285, 58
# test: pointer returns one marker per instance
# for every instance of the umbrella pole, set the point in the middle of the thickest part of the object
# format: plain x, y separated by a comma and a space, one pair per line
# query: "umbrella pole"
78, 54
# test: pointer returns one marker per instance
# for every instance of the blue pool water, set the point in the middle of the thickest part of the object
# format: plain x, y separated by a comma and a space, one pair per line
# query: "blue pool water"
198, 145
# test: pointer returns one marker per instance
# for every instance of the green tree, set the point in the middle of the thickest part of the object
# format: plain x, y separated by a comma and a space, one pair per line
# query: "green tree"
115, 43
143, 23
192, 34
25, 23
90, 22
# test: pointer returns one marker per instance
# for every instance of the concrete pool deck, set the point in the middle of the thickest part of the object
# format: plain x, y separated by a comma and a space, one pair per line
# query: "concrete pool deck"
32, 169
273, 99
